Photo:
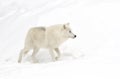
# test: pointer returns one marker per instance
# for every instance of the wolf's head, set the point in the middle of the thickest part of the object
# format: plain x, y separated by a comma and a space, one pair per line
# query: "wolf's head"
66, 31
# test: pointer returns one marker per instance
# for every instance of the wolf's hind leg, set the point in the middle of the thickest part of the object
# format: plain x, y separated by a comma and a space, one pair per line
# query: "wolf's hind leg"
22, 53
58, 53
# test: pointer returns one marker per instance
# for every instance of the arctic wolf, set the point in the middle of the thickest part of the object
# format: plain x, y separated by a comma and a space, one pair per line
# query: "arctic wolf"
46, 37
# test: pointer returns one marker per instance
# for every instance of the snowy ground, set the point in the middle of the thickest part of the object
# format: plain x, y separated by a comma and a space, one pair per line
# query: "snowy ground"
94, 54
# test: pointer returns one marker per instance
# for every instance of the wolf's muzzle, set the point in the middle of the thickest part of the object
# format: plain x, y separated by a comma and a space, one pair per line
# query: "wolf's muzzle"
75, 36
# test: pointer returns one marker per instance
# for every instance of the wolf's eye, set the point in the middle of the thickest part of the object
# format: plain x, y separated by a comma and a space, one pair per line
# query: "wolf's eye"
69, 31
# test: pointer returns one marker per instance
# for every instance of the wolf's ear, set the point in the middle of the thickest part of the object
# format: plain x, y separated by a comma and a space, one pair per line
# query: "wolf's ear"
64, 26
68, 23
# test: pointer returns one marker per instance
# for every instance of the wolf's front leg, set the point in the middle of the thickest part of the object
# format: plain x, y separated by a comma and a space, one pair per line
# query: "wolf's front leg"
52, 54
35, 50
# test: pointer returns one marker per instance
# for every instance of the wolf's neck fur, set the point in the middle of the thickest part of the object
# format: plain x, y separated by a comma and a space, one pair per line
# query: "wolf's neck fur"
54, 37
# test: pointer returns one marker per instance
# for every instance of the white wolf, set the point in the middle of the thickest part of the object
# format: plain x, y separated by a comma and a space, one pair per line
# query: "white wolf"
46, 37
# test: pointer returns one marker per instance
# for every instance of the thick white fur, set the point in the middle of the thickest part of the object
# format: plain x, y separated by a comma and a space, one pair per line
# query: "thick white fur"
50, 37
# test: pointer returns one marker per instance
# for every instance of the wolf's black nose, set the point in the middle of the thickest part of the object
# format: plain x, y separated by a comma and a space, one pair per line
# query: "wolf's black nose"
75, 36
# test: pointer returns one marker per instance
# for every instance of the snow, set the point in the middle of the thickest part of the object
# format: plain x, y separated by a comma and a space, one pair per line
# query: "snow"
94, 54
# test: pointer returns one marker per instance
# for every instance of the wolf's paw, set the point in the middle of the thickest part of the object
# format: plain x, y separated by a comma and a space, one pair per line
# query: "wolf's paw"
57, 58
19, 61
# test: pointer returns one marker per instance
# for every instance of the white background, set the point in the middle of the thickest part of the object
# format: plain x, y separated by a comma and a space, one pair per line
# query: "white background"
94, 54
